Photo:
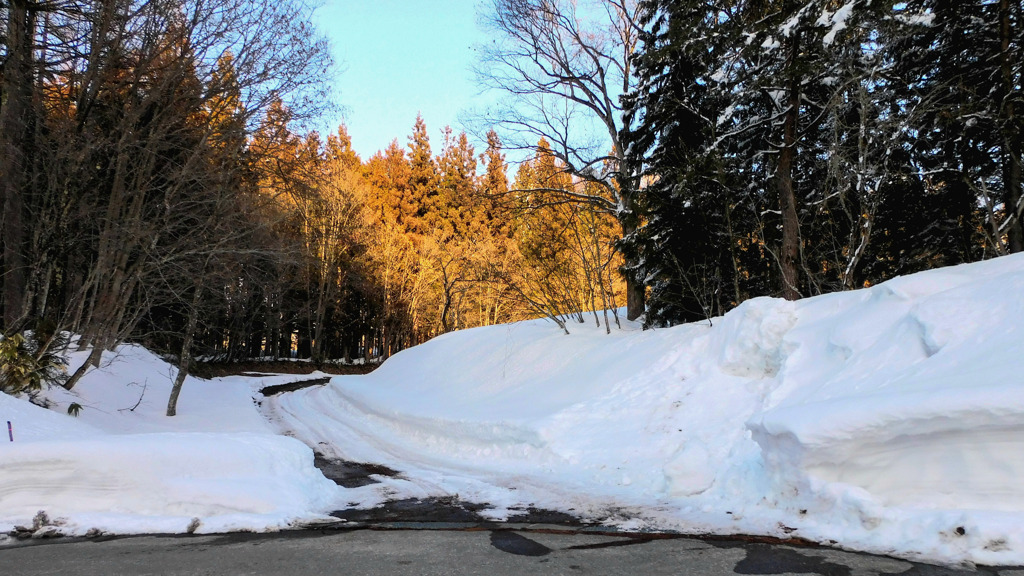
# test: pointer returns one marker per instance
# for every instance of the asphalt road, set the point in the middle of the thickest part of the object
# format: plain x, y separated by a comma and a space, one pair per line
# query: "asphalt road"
492, 552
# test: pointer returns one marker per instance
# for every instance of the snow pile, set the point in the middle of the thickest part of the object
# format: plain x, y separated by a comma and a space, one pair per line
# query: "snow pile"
122, 467
918, 396
889, 419
160, 482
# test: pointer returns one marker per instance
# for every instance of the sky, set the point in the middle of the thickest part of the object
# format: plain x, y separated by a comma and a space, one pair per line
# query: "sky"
397, 58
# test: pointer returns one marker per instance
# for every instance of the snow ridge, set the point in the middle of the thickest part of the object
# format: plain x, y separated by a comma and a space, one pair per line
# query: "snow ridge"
884, 419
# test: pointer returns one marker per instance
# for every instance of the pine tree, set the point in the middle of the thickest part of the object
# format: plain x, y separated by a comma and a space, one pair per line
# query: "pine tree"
686, 251
960, 67
494, 185
422, 191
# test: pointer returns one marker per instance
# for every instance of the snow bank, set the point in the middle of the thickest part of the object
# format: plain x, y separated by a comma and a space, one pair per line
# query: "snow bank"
940, 422
889, 419
32, 423
907, 405
161, 482
123, 467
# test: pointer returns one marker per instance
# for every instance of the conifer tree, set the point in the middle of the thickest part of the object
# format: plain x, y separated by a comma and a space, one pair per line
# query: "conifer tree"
457, 207
960, 70
422, 191
686, 251
754, 119
389, 173
494, 184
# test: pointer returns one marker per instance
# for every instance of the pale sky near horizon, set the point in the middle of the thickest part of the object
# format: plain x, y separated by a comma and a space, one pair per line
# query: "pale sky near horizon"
398, 58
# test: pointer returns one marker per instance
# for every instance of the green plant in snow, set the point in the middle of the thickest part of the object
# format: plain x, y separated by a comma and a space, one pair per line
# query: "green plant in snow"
24, 368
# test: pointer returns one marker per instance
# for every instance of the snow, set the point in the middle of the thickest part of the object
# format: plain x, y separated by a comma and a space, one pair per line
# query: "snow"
923, 19
122, 467
838, 21
888, 419
159, 482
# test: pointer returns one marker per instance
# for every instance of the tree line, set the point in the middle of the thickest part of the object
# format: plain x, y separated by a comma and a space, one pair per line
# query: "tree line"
159, 187
126, 181
773, 147
795, 148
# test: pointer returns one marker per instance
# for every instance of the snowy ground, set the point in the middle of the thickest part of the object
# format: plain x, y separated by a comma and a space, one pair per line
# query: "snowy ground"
888, 420
122, 467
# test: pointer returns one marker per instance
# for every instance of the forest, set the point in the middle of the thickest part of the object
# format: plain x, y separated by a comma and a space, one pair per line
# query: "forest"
160, 186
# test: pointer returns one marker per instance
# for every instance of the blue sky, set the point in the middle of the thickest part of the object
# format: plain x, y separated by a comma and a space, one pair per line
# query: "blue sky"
397, 58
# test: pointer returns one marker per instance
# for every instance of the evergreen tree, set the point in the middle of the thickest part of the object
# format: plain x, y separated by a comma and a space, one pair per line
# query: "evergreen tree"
456, 209
389, 173
422, 191
792, 62
960, 72
686, 252
494, 185
783, 155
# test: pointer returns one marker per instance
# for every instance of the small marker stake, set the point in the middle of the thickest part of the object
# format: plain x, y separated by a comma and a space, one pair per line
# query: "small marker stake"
10, 430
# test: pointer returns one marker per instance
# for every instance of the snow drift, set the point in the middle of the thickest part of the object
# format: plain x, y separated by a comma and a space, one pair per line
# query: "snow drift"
889, 419
160, 482
122, 467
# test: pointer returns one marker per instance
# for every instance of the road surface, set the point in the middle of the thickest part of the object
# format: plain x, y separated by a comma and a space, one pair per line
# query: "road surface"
519, 550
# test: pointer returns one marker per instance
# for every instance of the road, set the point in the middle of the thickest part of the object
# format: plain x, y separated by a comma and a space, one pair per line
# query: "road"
519, 550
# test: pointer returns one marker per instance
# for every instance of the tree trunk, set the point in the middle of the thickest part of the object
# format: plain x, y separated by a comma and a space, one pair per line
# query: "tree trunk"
446, 308
636, 294
14, 116
1011, 139
790, 252
274, 324
93, 360
318, 353
185, 359
732, 251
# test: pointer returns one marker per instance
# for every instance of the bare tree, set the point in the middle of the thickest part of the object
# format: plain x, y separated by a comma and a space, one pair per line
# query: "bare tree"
563, 65
131, 142
17, 88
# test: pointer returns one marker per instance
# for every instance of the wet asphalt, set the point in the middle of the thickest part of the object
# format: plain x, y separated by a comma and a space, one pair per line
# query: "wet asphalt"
505, 551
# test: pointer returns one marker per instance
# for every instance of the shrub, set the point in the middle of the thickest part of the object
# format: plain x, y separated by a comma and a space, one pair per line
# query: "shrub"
24, 369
